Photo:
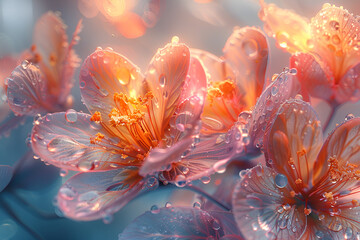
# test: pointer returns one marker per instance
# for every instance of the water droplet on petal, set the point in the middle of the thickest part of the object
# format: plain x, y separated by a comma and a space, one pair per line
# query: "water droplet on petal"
205, 179
281, 180
25, 64
348, 233
8, 229
168, 204
71, 116
250, 47
162, 80
274, 91
175, 40
334, 25
154, 209
197, 205
63, 172
108, 218
180, 180
216, 225
349, 116
86, 166
67, 193
123, 75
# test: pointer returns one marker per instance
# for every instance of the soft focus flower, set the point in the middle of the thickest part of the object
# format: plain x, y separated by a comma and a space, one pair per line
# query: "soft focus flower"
134, 121
43, 81
309, 189
325, 51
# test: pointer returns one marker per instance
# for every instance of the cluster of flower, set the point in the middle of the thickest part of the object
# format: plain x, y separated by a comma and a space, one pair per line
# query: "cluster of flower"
191, 115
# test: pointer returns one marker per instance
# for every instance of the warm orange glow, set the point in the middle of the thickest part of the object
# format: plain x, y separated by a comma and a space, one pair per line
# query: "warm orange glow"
130, 25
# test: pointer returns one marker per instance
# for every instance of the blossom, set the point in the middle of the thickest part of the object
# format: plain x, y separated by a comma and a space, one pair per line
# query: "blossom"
308, 190
325, 50
134, 121
43, 81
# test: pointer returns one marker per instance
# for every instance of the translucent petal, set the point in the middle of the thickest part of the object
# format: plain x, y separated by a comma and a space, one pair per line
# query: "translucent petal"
166, 76
335, 36
174, 223
292, 32
51, 51
90, 196
103, 74
6, 173
246, 51
284, 87
263, 210
297, 132
71, 141
315, 76
219, 113
343, 144
209, 155
27, 92
348, 88
183, 124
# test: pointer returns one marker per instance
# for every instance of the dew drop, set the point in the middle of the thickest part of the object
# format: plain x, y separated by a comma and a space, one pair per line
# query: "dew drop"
281, 180
8, 229
63, 172
293, 71
254, 202
255, 226
348, 233
103, 92
319, 234
108, 218
282, 38
274, 91
349, 116
25, 64
282, 223
168, 204
67, 193
180, 180
123, 75
197, 205
335, 39
205, 179
86, 166
175, 40
334, 25
154, 209
216, 225
88, 197
335, 226
71, 116
162, 80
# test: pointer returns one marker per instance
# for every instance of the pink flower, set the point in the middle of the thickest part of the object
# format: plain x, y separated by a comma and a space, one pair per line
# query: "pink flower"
43, 81
140, 127
325, 50
309, 190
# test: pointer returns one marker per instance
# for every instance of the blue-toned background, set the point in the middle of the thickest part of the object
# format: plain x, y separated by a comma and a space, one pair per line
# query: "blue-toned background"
205, 26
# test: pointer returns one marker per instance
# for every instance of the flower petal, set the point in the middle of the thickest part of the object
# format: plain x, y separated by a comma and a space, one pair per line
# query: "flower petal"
174, 223
292, 32
343, 144
103, 74
6, 173
297, 132
335, 33
26, 91
71, 141
90, 196
261, 208
165, 79
219, 113
183, 124
52, 53
348, 88
246, 51
315, 76
284, 87
209, 154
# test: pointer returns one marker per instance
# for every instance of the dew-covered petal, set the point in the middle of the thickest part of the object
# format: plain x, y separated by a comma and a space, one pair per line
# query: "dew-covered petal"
335, 36
32, 174
284, 87
246, 51
95, 195
224, 101
71, 141
208, 154
6, 173
264, 208
165, 79
297, 132
314, 75
291, 31
348, 88
175, 223
103, 74
342, 148
27, 92
55, 57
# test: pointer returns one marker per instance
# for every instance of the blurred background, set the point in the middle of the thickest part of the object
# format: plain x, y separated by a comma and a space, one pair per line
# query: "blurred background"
136, 29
